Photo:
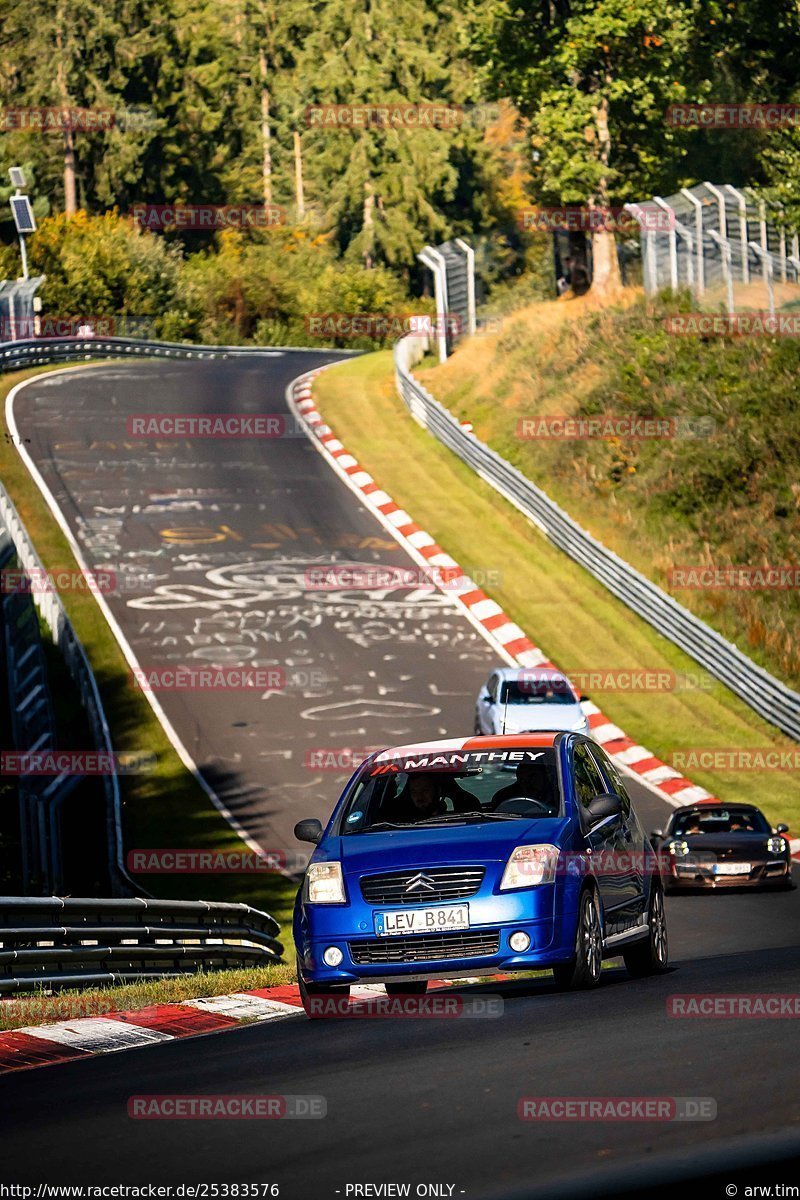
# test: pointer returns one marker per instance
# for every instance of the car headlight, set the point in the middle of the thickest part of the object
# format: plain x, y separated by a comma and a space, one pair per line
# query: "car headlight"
580, 724
324, 883
776, 845
530, 866
678, 849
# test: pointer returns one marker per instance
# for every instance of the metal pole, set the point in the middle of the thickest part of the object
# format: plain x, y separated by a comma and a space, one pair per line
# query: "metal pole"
470, 253
24, 254
742, 230
698, 234
766, 259
684, 233
673, 243
725, 259
434, 261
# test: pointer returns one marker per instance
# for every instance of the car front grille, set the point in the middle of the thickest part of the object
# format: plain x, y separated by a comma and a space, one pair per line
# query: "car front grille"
426, 948
440, 883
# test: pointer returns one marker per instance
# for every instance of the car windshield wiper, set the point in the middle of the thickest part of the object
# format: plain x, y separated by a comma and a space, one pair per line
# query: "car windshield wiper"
447, 818
381, 825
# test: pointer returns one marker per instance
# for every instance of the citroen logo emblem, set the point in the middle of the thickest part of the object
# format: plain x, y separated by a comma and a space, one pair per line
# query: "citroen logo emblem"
420, 883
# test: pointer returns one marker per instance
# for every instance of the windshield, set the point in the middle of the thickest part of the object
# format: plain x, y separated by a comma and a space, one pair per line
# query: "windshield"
721, 820
537, 691
397, 793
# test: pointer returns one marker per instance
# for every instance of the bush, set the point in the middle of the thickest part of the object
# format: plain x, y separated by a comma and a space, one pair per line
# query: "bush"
103, 266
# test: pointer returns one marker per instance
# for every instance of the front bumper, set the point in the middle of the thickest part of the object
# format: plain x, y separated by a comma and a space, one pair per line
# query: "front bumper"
772, 873
482, 950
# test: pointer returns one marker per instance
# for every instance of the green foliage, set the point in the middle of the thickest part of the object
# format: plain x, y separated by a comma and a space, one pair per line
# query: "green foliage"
103, 266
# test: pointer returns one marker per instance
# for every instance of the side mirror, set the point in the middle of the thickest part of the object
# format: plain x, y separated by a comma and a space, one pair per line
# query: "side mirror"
609, 804
656, 835
584, 699
309, 831
781, 828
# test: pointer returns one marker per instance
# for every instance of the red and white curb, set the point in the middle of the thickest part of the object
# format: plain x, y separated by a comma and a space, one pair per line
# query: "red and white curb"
84, 1037
511, 642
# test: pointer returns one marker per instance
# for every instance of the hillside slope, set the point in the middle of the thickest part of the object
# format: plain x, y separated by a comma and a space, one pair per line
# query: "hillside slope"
720, 486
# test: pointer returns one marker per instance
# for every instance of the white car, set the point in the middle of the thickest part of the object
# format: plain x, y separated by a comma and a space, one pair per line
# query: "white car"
526, 700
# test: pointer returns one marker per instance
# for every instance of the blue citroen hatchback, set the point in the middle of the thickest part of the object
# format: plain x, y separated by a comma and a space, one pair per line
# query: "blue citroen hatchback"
478, 856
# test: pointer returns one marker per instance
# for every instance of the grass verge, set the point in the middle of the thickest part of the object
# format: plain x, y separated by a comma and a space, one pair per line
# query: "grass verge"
558, 604
40, 1008
167, 808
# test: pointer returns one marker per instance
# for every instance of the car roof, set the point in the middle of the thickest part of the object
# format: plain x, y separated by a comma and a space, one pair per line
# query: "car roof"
701, 806
506, 741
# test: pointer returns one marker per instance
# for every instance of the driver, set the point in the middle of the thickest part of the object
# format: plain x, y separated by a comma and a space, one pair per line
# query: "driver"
424, 795
419, 799
533, 782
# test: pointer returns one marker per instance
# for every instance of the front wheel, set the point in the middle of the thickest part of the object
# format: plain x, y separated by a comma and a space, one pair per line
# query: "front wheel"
311, 993
651, 955
584, 968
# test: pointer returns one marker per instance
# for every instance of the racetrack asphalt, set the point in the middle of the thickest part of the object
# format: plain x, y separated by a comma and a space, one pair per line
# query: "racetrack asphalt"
227, 530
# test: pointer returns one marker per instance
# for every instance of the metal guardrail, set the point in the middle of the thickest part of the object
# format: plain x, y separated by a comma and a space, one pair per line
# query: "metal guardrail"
49, 605
18, 356
33, 729
49, 941
765, 694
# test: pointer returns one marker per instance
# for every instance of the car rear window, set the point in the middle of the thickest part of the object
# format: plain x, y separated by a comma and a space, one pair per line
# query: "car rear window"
537, 691
425, 791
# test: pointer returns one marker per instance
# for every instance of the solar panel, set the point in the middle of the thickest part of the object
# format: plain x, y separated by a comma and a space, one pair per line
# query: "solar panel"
23, 214
17, 176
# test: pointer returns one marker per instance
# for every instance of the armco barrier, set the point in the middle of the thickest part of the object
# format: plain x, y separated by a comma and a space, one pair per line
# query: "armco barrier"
18, 356
52, 611
49, 941
765, 694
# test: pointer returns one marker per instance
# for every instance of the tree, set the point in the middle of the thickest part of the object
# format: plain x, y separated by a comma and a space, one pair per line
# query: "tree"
594, 78
383, 188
